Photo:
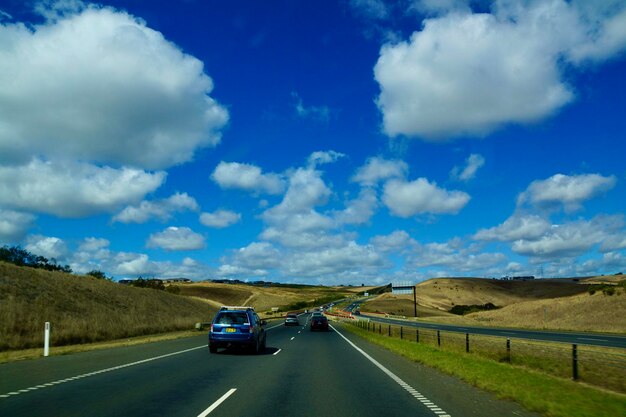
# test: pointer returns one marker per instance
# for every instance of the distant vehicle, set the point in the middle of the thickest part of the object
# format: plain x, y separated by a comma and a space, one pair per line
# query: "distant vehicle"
236, 326
319, 322
291, 320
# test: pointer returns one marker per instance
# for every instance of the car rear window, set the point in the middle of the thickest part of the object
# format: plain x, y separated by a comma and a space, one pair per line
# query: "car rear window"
292, 316
232, 317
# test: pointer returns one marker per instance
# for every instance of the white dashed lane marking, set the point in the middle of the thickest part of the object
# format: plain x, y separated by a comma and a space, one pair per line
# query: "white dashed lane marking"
115, 368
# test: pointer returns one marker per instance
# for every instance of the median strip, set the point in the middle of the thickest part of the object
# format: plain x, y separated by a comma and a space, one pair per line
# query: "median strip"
425, 401
115, 368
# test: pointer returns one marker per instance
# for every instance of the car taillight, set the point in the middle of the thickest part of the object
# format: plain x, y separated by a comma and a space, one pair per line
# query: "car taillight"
211, 326
251, 329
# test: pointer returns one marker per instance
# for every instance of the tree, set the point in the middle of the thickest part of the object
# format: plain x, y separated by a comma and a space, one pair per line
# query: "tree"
98, 274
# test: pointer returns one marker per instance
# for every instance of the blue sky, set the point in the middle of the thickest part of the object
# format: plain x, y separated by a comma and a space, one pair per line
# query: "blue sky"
338, 142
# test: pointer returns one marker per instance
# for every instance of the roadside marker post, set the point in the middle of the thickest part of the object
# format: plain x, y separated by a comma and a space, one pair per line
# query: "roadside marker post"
46, 339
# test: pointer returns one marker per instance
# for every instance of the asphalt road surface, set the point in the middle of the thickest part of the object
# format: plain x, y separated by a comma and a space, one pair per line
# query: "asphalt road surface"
300, 373
595, 339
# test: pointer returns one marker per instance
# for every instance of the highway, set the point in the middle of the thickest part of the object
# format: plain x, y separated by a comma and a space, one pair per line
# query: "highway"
300, 373
595, 339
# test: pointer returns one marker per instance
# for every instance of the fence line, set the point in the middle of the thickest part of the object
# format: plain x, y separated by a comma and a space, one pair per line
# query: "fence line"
600, 366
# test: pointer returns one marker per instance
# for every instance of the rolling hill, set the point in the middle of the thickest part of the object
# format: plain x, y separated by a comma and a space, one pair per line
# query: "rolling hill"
557, 304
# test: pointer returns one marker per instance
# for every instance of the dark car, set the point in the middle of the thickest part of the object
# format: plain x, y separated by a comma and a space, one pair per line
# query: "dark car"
237, 327
319, 322
291, 320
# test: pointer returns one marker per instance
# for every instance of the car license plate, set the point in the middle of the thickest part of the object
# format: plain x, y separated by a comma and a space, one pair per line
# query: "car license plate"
231, 330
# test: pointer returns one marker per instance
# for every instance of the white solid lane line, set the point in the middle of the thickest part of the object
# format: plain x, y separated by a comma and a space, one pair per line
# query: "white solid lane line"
425, 401
277, 352
217, 403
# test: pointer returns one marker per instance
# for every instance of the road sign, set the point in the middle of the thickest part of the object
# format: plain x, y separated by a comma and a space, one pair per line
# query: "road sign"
405, 287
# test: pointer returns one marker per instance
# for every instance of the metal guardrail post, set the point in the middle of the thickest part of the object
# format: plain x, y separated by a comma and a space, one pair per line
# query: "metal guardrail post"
575, 362
380, 329
467, 342
417, 335
438, 338
400, 332
389, 331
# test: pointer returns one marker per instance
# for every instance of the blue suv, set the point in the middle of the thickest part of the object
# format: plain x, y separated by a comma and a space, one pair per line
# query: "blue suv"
237, 327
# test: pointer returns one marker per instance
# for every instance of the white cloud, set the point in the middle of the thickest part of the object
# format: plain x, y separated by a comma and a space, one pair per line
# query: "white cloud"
333, 261
516, 227
359, 210
397, 242
48, 247
220, 218
455, 258
472, 164
441, 6
323, 157
571, 239
379, 169
93, 244
568, 191
294, 221
176, 238
371, 9
406, 199
246, 177
159, 209
73, 189
321, 113
469, 74
14, 225
101, 86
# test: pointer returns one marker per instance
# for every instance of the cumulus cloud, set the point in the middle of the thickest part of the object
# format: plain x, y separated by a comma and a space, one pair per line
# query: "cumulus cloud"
455, 258
516, 227
360, 210
97, 84
247, 177
333, 261
323, 157
161, 210
567, 191
378, 169
406, 199
220, 219
571, 239
46, 246
175, 239
397, 242
14, 225
468, 172
73, 189
469, 73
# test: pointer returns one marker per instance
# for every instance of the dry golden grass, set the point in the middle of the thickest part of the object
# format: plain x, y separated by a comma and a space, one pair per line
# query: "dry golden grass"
444, 293
584, 312
84, 309
259, 297
559, 304
401, 305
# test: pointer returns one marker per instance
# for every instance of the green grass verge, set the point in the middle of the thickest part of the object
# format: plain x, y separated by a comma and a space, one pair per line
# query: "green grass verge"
35, 353
550, 396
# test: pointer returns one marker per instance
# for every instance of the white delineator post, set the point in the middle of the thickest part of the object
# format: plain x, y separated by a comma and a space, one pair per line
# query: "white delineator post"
46, 340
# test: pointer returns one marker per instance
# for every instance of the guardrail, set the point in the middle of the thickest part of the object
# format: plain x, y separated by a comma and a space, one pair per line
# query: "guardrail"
599, 366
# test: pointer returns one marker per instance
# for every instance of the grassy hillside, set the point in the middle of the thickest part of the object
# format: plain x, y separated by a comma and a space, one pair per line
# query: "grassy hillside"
85, 309
260, 297
559, 304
